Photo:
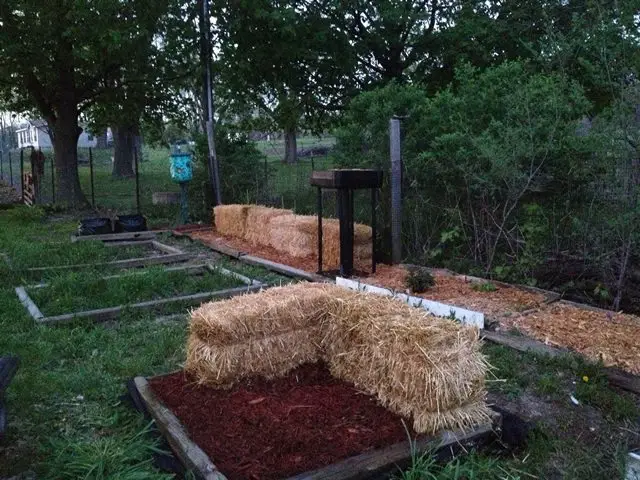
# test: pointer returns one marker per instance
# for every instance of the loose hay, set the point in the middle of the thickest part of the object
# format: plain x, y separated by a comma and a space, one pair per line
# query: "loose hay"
231, 219
418, 366
258, 226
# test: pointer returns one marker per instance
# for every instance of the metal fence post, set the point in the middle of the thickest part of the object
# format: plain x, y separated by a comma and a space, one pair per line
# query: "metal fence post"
135, 159
22, 174
10, 169
53, 180
396, 190
93, 193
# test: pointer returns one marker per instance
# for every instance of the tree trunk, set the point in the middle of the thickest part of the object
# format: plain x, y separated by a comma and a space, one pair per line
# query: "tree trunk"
65, 146
290, 146
123, 145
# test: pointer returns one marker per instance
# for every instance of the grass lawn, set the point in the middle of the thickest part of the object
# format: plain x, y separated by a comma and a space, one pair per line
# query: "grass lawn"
67, 419
274, 149
61, 295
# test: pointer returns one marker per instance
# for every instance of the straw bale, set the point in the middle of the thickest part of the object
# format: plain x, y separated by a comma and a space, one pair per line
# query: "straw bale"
271, 312
297, 236
258, 225
270, 357
418, 366
231, 219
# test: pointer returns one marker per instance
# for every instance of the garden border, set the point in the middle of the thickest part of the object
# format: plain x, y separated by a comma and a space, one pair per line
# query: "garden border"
360, 466
115, 237
103, 314
173, 255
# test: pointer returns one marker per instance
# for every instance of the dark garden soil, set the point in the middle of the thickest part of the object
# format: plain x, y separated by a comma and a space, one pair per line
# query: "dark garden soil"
274, 429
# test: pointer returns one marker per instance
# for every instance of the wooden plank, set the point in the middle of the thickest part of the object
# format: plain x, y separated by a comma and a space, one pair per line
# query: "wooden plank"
616, 377
396, 456
29, 304
188, 452
188, 269
114, 237
166, 248
357, 467
128, 263
224, 249
8, 368
284, 269
236, 275
128, 243
103, 314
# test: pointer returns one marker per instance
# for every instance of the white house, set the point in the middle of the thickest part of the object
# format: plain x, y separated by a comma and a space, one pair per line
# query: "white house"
35, 133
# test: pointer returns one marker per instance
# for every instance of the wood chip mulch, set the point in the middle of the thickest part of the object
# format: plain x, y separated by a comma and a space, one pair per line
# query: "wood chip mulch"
459, 292
308, 264
611, 337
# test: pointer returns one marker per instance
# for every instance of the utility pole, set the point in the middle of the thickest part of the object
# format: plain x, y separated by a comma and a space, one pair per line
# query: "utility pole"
205, 53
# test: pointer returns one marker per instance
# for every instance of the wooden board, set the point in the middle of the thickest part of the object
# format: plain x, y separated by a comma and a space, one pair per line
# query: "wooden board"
115, 237
358, 467
173, 255
616, 377
103, 314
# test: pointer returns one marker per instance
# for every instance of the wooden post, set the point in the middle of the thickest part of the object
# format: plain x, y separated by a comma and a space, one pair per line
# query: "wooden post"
396, 191
319, 230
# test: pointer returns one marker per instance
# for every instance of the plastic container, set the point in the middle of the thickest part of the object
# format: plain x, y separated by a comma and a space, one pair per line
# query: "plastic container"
130, 223
95, 226
180, 165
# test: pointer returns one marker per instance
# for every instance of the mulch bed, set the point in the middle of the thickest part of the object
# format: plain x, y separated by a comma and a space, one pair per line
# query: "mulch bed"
8, 194
460, 292
611, 337
275, 429
308, 264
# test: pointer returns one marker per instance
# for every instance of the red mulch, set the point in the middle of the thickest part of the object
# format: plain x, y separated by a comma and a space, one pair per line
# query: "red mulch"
275, 429
308, 264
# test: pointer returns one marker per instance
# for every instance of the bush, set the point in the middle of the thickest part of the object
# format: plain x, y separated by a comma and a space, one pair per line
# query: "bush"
419, 280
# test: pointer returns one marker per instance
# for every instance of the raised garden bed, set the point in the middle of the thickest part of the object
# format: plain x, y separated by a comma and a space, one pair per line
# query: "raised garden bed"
117, 237
107, 297
128, 254
304, 425
494, 299
600, 335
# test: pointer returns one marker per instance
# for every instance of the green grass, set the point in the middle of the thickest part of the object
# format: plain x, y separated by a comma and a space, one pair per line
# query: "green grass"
67, 420
274, 149
60, 296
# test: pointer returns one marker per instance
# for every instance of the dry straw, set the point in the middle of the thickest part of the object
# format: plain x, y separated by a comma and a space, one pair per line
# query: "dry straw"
259, 220
231, 219
418, 366
269, 357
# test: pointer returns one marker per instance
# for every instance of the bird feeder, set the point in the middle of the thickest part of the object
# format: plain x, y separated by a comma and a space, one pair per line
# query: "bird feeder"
181, 171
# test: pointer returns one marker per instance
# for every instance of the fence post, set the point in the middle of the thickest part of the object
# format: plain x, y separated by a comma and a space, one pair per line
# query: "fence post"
135, 160
396, 190
10, 169
93, 193
1, 164
22, 175
53, 179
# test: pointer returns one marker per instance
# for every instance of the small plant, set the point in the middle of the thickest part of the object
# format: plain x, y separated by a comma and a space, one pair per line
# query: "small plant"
419, 280
484, 287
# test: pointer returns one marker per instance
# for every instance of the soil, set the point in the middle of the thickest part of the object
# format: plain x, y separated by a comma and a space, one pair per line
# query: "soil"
611, 337
308, 264
459, 291
278, 428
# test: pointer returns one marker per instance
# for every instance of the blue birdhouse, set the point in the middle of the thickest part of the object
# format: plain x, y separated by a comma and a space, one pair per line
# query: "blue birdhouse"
181, 164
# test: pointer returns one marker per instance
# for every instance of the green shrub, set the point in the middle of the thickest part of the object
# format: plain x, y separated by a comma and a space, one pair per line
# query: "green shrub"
419, 280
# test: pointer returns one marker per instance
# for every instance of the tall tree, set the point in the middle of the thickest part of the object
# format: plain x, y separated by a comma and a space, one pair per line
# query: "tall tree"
60, 57
281, 58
